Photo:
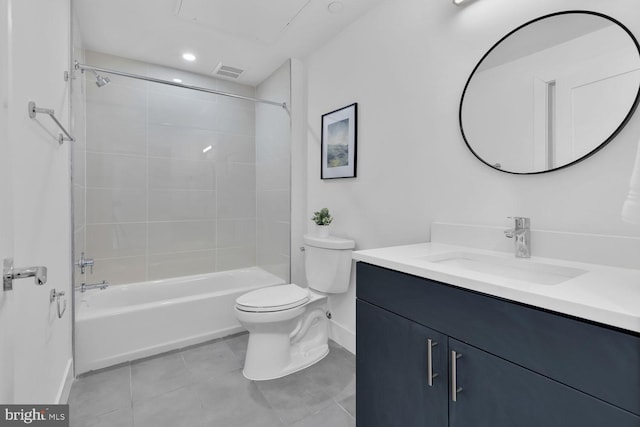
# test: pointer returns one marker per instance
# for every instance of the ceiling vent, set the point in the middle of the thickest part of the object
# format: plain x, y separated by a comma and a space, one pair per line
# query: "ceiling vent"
227, 71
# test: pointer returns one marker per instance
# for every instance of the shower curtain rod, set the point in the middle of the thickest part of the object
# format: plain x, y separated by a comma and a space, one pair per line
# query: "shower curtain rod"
83, 67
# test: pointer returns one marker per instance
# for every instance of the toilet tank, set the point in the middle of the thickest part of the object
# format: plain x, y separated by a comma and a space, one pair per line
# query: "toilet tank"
328, 263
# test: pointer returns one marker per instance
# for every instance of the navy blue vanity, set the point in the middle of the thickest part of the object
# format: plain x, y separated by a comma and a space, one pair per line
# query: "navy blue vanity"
432, 354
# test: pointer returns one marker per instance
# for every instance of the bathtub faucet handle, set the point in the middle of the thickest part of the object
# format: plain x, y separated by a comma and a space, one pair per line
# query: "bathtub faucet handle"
84, 263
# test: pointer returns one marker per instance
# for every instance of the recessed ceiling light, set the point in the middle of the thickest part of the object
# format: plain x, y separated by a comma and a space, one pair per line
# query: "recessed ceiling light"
177, 80
207, 148
188, 57
459, 2
335, 6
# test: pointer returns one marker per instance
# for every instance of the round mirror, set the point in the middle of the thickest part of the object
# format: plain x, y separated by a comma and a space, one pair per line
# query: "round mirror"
551, 93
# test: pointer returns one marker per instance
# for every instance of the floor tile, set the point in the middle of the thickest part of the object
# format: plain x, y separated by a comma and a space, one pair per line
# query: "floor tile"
210, 360
333, 416
333, 376
100, 393
232, 400
349, 404
119, 418
238, 344
177, 408
287, 396
204, 386
156, 376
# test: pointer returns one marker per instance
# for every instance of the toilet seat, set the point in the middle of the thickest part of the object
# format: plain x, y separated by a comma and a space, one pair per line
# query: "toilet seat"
273, 298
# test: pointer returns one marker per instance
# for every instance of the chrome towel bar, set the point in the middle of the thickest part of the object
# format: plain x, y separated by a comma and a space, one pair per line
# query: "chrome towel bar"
33, 110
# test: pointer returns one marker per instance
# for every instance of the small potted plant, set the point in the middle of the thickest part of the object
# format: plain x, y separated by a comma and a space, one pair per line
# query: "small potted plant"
322, 218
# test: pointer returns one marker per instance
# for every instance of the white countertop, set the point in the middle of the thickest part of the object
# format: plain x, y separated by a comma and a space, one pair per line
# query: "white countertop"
603, 294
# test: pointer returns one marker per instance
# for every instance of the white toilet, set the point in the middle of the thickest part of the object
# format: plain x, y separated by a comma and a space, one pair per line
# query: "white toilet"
287, 324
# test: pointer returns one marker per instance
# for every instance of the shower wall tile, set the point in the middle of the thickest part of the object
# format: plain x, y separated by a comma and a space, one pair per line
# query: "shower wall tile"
115, 205
182, 143
241, 121
236, 204
116, 271
182, 111
274, 205
116, 128
157, 205
236, 177
165, 237
181, 264
232, 148
273, 240
236, 233
273, 174
237, 88
116, 240
78, 243
117, 95
233, 258
116, 171
79, 203
182, 205
79, 162
174, 174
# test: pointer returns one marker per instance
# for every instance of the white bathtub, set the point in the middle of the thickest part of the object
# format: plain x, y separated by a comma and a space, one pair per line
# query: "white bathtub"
128, 322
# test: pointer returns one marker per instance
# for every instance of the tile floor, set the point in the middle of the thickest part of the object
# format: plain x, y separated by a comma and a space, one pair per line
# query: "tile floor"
203, 386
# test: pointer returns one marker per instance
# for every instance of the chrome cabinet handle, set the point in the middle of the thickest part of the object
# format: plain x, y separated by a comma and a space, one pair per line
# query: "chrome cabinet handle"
430, 374
454, 375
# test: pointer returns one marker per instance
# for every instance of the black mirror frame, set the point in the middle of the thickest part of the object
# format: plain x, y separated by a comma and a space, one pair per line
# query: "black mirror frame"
592, 152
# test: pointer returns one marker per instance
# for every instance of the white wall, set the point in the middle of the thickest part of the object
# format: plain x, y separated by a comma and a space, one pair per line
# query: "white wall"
406, 63
40, 196
6, 212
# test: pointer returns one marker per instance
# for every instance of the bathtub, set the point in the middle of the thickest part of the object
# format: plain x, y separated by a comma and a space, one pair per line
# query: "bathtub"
128, 322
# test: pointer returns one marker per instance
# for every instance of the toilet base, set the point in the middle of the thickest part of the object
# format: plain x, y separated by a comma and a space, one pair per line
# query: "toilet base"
281, 343
298, 363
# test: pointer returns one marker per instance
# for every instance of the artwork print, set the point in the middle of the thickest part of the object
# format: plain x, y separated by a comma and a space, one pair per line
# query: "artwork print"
339, 143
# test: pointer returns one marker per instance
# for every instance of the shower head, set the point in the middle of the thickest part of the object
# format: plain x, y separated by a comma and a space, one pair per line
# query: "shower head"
100, 80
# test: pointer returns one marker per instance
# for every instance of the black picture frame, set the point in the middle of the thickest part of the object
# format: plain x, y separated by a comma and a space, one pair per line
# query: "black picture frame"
339, 141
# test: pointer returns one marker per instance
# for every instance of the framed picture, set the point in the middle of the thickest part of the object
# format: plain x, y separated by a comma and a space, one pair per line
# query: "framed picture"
339, 137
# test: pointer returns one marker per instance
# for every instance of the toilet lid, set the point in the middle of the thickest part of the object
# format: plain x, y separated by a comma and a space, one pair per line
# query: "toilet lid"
273, 298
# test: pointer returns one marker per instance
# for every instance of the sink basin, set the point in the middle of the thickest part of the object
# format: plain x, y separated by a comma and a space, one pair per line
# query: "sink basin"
505, 267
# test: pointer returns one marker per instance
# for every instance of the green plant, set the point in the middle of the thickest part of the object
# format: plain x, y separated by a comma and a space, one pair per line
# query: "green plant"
322, 217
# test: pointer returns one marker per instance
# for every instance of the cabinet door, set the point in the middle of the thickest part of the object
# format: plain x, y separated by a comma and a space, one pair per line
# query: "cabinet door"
392, 371
495, 392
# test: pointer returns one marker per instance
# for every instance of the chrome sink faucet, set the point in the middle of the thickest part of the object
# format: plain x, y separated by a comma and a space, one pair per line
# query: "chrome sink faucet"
521, 233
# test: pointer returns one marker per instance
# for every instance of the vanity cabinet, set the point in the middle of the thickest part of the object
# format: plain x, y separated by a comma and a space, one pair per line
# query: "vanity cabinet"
492, 362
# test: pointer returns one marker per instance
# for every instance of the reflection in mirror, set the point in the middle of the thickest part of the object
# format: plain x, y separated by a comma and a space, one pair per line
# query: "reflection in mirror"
551, 92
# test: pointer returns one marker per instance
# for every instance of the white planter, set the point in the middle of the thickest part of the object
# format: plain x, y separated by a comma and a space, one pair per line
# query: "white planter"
322, 230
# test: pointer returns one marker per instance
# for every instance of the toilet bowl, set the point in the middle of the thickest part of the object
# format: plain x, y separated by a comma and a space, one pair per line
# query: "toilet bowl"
287, 324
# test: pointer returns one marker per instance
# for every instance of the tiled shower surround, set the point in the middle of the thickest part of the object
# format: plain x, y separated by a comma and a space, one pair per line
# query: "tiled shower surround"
170, 176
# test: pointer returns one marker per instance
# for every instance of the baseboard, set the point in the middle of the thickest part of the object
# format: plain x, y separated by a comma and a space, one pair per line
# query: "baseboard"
65, 387
342, 336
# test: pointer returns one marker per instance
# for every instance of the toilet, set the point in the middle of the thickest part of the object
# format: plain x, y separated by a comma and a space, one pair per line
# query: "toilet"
287, 324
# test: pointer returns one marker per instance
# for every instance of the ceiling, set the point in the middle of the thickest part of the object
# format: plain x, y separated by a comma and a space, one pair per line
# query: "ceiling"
256, 36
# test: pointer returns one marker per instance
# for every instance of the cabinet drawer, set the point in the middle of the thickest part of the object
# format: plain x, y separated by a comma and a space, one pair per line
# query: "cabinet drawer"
601, 361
